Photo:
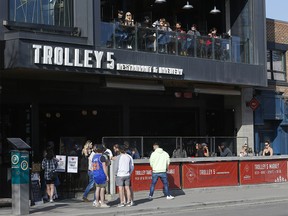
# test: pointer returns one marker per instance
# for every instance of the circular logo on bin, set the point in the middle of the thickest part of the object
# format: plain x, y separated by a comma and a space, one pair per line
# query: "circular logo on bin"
14, 159
24, 165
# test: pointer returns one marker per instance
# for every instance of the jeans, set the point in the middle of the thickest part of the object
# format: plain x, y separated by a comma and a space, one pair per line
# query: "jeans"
164, 179
90, 185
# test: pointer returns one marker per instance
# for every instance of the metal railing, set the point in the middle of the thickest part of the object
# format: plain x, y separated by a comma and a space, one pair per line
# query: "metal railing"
144, 144
152, 40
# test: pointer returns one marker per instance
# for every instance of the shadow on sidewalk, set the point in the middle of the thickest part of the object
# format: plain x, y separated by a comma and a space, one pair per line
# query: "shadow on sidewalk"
47, 208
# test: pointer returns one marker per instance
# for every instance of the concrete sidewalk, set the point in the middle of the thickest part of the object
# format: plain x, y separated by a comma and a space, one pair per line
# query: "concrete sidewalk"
189, 198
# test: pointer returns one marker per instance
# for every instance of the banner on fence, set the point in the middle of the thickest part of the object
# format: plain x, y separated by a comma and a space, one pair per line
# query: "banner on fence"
210, 174
142, 177
257, 172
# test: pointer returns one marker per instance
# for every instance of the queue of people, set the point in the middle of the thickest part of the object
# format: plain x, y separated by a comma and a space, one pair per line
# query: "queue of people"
99, 159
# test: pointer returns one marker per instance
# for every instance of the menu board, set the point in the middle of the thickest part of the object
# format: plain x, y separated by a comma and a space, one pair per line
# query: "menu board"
72, 164
36, 193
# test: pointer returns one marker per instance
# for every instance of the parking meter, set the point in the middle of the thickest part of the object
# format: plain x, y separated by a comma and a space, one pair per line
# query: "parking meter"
20, 176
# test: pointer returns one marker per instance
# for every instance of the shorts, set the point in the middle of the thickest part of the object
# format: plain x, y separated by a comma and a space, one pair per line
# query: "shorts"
100, 180
49, 181
123, 181
101, 185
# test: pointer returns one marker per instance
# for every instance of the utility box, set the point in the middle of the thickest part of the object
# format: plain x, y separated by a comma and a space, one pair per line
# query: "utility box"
20, 176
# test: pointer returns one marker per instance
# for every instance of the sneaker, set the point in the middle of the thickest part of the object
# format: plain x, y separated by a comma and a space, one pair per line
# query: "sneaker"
95, 204
150, 197
51, 201
120, 205
85, 199
170, 197
104, 205
130, 204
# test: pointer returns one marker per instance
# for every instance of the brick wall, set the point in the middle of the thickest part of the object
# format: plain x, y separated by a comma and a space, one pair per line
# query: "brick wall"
277, 31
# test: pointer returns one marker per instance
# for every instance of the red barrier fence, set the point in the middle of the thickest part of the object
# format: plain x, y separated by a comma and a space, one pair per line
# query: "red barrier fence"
204, 173
257, 172
210, 174
142, 177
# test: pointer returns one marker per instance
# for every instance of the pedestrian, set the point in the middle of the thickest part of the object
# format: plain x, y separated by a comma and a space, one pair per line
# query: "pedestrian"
159, 162
100, 176
108, 152
224, 150
88, 152
49, 165
116, 151
124, 167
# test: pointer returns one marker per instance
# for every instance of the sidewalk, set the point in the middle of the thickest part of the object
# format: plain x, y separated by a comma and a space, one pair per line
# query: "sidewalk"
189, 198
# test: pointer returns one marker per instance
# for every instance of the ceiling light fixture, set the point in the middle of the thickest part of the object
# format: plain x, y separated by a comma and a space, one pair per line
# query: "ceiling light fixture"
215, 10
160, 1
187, 6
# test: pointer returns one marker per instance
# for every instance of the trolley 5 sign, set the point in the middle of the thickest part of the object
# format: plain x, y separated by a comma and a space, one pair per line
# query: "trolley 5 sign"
74, 57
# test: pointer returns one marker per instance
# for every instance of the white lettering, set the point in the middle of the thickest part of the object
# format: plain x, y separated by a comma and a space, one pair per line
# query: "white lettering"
58, 55
77, 62
92, 59
37, 53
66, 58
98, 56
47, 55
87, 58
110, 61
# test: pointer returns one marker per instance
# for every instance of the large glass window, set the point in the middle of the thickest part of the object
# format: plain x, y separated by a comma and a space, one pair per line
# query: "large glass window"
276, 65
49, 12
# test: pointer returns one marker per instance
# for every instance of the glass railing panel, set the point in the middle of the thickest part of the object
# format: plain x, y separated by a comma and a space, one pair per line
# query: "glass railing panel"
204, 47
182, 44
166, 41
191, 45
107, 35
236, 51
146, 39
125, 37
223, 51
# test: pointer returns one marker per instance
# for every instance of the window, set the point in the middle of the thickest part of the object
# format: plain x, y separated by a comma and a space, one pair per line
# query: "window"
49, 12
276, 65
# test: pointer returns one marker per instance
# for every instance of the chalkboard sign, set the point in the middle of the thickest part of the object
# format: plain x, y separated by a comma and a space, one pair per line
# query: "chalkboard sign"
36, 193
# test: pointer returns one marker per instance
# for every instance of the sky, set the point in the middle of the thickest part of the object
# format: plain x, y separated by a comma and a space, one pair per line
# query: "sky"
277, 9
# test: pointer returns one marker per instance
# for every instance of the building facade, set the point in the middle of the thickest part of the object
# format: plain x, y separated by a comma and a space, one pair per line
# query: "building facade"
271, 117
71, 71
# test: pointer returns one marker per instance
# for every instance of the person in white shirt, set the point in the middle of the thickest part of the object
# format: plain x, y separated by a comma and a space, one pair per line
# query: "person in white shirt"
124, 167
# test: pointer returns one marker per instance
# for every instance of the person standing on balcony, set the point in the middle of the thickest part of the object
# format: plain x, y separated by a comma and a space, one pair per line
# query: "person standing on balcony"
192, 45
130, 32
181, 37
159, 162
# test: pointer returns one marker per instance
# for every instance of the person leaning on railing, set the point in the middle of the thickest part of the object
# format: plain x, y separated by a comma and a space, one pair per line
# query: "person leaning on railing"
224, 150
267, 151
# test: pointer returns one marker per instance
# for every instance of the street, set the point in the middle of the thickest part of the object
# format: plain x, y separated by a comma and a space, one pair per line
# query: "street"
263, 209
